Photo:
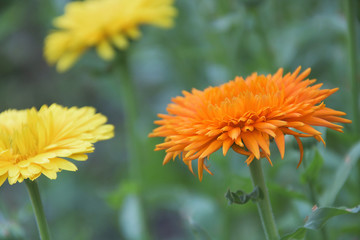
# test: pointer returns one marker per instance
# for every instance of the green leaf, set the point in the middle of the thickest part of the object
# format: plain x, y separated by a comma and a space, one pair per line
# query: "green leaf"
312, 171
298, 234
341, 176
240, 197
317, 219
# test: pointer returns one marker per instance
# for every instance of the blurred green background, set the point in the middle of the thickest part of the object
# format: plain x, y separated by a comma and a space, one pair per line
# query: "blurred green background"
212, 42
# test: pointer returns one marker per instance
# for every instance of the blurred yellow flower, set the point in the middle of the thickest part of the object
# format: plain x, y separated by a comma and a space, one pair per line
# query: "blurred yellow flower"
35, 142
102, 23
245, 115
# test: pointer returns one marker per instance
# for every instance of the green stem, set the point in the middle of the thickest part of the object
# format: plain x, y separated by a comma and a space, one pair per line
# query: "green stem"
264, 205
313, 197
351, 7
134, 143
261, 26
38, 209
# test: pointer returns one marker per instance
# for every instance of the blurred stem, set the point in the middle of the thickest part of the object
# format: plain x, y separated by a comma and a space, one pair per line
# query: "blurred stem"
225, 234
263, 37
351, 7
38, 209
314, 200
227, 220
264, 205
134, 145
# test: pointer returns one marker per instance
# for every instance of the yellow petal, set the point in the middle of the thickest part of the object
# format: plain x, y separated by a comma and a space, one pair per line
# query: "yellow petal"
13, 180
3, 178
13, 171
105, 50
133, 32
67, 60
49, 173
34, 169
79, 157
120, 41
3, 170
64, 164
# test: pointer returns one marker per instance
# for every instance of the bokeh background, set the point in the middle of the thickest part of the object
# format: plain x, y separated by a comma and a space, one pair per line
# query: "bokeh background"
212, 42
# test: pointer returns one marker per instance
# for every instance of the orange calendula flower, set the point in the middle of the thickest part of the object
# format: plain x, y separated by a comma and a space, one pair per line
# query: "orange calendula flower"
245, 115
35, 142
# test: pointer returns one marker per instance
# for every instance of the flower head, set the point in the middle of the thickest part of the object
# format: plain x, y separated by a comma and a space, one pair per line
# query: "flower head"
35, 142
101, 24
245, 115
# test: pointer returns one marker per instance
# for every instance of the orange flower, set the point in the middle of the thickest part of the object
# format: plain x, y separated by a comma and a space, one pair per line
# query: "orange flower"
245, 115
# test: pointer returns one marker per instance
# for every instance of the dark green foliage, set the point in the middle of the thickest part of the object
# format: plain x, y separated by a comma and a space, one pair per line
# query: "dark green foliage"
240, 197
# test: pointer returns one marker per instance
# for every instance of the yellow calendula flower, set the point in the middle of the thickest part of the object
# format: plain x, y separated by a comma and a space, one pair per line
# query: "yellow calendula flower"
102, 24
35, 142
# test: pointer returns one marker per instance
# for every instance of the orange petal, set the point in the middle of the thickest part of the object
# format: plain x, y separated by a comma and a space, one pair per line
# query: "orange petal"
213, 147
226, 146
197, 144
308, 129
200, 168
240, 150
277, 123
207, 169
321, 122
250, 159
239, 142
189, 164
320, 139
303, 75
296, 72
167, 158
262, 125
269, 132
301, 148
280, 142
251, 144
268, 158
262, 142
234, 133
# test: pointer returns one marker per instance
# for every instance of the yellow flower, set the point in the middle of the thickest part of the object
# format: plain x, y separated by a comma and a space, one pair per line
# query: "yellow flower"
101, 24
35, 142
245, 115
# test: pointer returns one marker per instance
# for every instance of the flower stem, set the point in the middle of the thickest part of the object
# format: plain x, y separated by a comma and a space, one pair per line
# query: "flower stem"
38, 209
351, 7
351, 20
264, 205
313, 197
134, 143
